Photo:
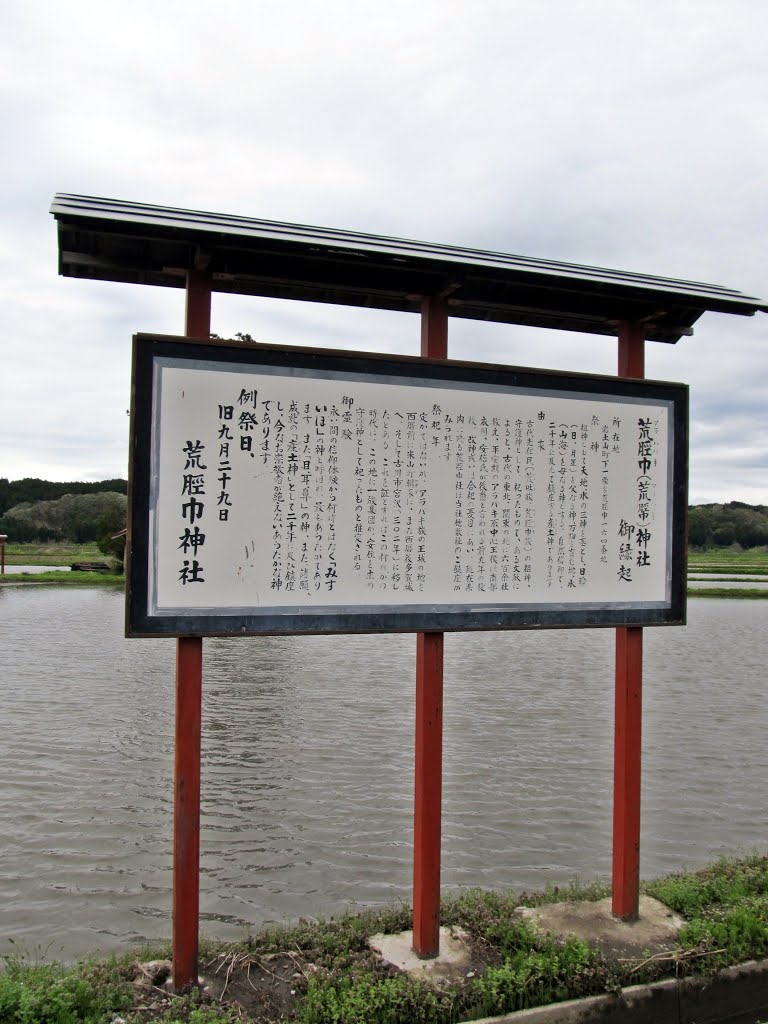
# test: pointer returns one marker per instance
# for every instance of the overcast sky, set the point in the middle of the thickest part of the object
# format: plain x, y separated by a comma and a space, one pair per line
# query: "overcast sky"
617, 133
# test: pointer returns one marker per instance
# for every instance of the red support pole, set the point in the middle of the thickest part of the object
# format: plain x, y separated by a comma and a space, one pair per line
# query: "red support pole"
434, 329
631, 349
186, 812
429, 724
628, 710
198, 311
189, 691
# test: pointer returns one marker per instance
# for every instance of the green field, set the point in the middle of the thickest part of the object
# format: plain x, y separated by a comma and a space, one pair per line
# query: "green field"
753, 560
730, 565
57, 553
724, 577
728, 570
52, 553
742, 593
65, 577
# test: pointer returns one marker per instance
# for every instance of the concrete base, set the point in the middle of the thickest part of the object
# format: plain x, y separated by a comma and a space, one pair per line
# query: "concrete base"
452, 961
654, 932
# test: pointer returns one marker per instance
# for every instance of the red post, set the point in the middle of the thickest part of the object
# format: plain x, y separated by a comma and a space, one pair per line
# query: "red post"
429, 724
189, 692
628, 711
631, 349
186, 811
3, 539
198, 312
434, 329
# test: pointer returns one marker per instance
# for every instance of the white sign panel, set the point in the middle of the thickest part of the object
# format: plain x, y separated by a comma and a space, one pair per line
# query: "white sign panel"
283, 489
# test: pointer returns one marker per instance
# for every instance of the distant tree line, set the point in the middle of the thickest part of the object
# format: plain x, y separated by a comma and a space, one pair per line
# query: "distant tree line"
45, 510
15, 492
718, 526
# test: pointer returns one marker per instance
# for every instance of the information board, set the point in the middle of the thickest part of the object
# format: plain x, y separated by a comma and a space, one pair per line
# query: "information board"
280, 490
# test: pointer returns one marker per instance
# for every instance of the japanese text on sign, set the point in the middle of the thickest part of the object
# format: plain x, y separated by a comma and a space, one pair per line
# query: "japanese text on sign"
278, 488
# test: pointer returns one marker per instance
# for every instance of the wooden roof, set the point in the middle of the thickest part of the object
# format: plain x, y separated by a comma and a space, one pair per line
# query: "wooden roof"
114, 240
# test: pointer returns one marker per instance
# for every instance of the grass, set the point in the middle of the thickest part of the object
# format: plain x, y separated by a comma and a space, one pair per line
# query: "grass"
742, 593
48, 993
726, 570
189, 1011
725, 563
725, 578
341, 982
51, 553
726, 907
728, 557
66, 577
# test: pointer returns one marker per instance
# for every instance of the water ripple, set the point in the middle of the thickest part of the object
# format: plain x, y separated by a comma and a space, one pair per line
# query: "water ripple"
307, 783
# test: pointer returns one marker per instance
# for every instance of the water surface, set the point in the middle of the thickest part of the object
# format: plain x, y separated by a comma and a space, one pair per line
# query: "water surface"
308, 764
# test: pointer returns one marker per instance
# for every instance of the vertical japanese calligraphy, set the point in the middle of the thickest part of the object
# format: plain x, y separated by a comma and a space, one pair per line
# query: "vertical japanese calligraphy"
192, 508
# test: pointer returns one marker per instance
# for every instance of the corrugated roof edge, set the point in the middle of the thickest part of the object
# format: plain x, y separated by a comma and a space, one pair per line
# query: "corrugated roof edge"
93, 207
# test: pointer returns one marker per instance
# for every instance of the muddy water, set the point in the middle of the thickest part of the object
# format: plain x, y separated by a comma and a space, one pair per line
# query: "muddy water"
307, 765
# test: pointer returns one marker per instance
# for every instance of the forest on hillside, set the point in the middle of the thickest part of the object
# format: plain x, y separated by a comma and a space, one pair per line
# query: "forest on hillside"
719, 526
33, 509
17, 492
46, 510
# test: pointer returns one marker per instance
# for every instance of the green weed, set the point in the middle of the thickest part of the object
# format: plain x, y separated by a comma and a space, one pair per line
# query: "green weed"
369, 1000
574, 891
543, 972
332, 940
727, 882
730, 935
188, 1010
49, 993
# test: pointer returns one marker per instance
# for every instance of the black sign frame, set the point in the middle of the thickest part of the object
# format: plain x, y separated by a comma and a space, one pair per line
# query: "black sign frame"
141, 622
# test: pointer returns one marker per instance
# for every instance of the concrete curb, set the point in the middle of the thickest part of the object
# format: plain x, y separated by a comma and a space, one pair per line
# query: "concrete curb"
736, 994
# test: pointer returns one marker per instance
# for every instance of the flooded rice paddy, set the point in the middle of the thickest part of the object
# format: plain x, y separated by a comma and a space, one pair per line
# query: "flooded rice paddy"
308, 765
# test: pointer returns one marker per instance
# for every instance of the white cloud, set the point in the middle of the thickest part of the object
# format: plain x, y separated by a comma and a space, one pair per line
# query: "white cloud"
613, 134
